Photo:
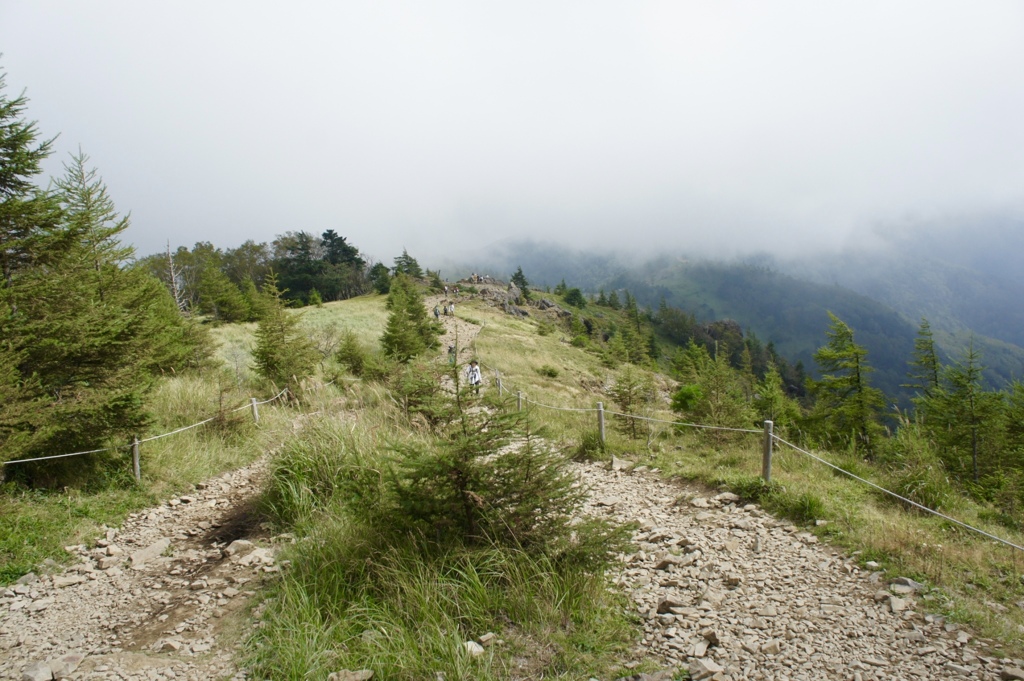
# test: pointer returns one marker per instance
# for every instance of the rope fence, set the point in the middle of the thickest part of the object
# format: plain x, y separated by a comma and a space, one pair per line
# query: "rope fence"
134, 446
897, 496
767, 449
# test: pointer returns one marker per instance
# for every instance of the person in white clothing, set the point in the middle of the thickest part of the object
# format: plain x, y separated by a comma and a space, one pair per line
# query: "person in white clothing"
473, 376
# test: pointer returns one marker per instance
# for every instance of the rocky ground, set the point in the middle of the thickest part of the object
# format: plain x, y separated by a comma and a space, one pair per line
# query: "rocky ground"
725, 591
163, 597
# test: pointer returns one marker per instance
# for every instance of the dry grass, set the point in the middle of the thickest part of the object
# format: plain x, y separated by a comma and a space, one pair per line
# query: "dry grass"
976, 580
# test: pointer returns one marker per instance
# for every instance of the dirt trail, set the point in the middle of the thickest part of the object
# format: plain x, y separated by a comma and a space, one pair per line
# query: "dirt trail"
457, 331
724, 590
159, 598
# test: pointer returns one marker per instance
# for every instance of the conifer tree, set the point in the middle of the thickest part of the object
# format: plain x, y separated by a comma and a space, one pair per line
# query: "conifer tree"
407, 265
409, 331
924, 371
575, 298
283, 353
25, 211
846, 404
602, 300
636, 349
220, 298
380, 278
714, 393
519, 279
964, 418
634, 394
772, 403
89, 333
613, 301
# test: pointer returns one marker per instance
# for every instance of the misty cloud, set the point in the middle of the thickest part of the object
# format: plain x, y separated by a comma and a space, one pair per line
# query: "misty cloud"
718, 128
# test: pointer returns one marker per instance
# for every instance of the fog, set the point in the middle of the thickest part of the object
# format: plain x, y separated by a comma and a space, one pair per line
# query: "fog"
444, 127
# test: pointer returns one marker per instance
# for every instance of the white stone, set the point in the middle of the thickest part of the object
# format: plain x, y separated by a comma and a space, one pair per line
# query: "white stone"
146, 555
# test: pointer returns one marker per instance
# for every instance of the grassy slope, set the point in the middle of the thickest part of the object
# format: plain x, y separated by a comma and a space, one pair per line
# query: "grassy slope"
36, 524
970, 571
350, 602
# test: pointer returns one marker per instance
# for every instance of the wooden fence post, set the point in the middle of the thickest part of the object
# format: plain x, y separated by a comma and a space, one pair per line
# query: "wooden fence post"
766, 454
600, 420
136, 466
255, 411
519, 400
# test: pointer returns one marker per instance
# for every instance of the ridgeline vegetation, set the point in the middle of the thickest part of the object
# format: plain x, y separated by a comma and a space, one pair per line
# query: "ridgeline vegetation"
423, 513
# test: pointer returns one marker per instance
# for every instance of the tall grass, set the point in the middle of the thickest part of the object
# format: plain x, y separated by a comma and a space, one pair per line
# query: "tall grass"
352, 601
969, 572
35, 524
365, 593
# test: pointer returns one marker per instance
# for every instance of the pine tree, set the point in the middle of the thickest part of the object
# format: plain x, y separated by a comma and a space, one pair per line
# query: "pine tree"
220, 298
772, 403
380, 278
283, 353
613, 301
846, 404
634, 394
487, 477
602, 300
924, 366
519, 279
409, 331
714, 394
964, 418
632, 311
574, 297
407, 265
25, 211
89, 332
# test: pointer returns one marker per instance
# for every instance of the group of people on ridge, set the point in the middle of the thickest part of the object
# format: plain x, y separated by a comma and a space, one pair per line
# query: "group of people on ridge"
448, 310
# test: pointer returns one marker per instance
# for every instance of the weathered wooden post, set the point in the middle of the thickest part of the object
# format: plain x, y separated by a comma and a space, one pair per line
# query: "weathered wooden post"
766, 454
497, 379
519, 400
136, 466
600, 420
255, 411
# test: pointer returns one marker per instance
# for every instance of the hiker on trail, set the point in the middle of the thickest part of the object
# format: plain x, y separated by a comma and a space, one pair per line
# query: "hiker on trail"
446, 290
437, 313
451, 355
451, 308
473, 376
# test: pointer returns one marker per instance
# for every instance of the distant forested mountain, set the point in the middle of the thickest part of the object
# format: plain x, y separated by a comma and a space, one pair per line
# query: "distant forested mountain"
967, 282
882, 298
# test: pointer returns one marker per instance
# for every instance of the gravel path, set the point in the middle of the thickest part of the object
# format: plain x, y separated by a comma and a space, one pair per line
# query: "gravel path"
725, 592
729, 592
163, 597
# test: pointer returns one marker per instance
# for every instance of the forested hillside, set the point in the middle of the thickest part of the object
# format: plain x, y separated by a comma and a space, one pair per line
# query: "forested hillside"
792, 312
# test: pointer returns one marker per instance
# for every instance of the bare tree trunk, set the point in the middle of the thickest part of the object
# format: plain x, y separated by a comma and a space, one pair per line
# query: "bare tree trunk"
173, 274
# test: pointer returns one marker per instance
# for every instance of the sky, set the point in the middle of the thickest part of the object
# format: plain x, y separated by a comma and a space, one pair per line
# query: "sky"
447, 127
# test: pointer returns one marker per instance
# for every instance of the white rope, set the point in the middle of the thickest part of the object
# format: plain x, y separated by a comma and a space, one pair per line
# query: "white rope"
265, 401
548, 406
179, 430
897, 496
62, 456
148, 439
681, 423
